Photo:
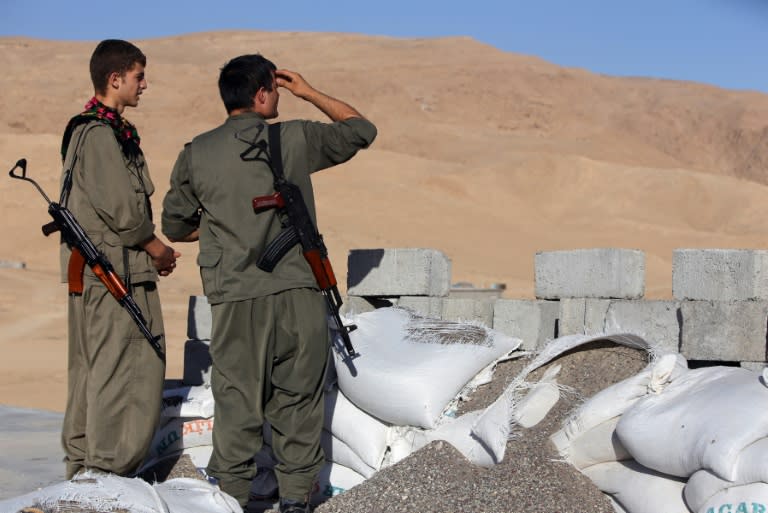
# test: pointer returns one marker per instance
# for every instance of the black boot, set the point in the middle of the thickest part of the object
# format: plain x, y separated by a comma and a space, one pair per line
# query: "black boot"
292, 506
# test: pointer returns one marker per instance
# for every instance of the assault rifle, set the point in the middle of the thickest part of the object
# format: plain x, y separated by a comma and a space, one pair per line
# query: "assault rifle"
85, 252
299, 229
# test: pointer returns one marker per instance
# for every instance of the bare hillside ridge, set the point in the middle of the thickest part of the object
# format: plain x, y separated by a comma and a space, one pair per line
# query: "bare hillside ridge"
423, 92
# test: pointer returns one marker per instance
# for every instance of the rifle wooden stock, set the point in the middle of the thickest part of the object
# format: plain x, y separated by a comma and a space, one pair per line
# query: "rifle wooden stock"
321, 268
75, 271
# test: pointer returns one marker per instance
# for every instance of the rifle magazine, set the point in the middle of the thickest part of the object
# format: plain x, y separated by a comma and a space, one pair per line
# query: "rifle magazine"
277, 249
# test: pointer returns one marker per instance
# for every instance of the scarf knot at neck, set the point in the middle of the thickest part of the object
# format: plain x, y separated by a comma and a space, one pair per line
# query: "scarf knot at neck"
125, 132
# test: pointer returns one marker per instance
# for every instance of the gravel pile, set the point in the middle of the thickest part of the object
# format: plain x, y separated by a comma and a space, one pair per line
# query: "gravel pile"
438, 479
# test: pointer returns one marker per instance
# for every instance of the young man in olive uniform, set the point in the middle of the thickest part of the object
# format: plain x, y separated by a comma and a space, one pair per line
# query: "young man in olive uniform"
115, 378
269, 343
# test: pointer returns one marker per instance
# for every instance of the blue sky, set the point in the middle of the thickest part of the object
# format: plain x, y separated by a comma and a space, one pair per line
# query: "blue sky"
720, 42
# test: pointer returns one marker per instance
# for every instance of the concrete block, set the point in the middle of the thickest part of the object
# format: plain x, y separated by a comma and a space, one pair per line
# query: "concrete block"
590, 273
724, 330
534, 322
719, 274
398, 272
197, 363
658, 322
431, 307
468, 310
582, 316
199, 318
353, 305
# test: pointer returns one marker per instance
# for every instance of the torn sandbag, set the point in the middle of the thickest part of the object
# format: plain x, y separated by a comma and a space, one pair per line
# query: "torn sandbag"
411, 367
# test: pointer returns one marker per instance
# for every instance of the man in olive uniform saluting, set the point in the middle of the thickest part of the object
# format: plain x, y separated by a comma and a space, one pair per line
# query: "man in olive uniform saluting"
269, 340
115, 378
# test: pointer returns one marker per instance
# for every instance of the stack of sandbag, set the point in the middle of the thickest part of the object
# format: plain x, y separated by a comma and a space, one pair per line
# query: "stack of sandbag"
92, 491
588, 438
675, 439
186, 426
709, 429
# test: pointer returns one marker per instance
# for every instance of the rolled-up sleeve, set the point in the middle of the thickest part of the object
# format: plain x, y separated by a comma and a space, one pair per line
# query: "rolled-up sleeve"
180, 205
111, 191
334, 143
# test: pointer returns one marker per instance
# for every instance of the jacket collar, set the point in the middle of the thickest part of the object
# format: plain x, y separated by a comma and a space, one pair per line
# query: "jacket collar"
246, 116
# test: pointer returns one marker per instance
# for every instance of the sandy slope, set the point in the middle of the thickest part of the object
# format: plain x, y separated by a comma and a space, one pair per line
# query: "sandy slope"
486, 155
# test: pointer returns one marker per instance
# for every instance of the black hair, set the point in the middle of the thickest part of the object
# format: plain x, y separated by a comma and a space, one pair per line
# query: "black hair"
113, 56
242, 77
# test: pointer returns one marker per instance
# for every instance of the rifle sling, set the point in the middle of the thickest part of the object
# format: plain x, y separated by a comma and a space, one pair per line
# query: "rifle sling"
275, 155
280, 245
76, 264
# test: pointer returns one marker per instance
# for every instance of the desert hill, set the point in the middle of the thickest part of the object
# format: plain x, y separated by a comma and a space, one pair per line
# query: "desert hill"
487, 155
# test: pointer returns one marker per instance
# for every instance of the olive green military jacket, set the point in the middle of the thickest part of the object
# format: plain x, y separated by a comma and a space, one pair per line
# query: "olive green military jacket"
214, 182
110, 199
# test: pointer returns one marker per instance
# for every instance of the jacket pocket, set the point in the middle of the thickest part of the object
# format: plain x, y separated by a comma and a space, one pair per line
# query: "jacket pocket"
210, 272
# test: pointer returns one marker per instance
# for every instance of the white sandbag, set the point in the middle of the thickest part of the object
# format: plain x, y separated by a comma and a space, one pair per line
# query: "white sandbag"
188, 401
751, 498
365, 435
333, 480
588, 435
483, 377
751, 463
178, 434
539, 400
702, 420
614, 400
481, 436
337, 451
456, 431
183, 495
597, 445
560, 345
93, 492
410, 368
493, 426
702, 486
199, 455
750, 467
617, 508
638, 489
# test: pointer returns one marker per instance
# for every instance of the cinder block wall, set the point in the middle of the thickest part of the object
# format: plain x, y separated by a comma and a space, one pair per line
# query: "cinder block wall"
719, 309
718, 313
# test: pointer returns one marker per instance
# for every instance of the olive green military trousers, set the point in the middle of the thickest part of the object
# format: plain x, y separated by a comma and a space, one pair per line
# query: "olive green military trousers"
269, 356
115, 381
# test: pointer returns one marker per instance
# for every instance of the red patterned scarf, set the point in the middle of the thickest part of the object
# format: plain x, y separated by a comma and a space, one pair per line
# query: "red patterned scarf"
125, 132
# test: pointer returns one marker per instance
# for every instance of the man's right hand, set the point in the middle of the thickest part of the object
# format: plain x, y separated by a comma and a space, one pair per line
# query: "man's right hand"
335, 109
294, 82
